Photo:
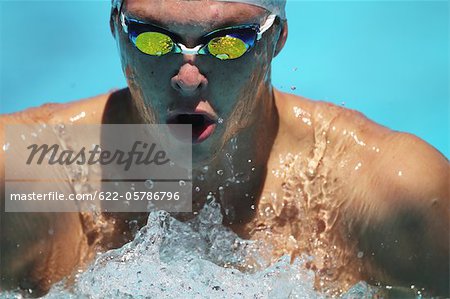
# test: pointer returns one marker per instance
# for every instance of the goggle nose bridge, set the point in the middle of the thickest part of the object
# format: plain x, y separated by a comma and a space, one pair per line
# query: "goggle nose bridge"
189, 51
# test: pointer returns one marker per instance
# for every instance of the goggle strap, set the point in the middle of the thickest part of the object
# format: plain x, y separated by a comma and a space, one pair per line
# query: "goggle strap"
116, 4
122, 21
267, 25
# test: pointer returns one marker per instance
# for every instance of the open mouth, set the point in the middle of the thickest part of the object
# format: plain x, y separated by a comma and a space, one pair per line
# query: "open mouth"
202, 125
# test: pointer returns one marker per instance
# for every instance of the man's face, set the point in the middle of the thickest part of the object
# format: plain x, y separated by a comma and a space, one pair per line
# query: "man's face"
219, 98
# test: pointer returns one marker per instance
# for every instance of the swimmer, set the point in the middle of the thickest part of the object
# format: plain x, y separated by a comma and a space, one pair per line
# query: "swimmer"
308, 177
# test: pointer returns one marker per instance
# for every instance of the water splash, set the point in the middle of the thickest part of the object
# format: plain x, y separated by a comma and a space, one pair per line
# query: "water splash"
200, 258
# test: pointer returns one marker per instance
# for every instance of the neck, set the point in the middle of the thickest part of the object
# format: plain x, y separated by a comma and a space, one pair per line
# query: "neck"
236, 176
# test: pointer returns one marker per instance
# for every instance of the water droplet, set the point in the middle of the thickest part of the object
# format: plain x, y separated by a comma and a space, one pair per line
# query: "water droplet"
220, 172
253, 168
234, 145
197, 189
249, 160
220, 120
22, 136
51, 231
60, 128
295, 69
252, 207
400, 173
78, 116
220, 188
205, 169
293, 88
149, 184
360, 254
209, 197
5, 146
182, 183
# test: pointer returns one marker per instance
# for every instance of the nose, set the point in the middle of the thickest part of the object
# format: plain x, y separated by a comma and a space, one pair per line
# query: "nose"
189, 81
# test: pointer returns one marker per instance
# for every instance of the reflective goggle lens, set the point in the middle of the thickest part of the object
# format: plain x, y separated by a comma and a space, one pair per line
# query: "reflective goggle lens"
154, 43
227, 47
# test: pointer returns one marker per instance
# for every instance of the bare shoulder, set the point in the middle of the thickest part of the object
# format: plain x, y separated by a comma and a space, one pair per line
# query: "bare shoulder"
88, 110
395, 167
84, 111
398, 186
33, 257
335, 120
393, 164
415, 167
396, 164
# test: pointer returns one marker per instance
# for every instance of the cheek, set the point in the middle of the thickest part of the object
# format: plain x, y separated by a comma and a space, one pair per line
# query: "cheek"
240, 83
143, 69
235, 75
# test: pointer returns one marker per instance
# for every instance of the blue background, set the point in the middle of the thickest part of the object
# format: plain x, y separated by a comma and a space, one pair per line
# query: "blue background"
386, 59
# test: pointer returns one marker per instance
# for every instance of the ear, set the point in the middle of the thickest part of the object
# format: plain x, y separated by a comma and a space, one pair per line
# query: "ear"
282, 38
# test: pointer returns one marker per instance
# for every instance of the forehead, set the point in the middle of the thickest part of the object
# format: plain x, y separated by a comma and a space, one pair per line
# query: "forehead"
198, 13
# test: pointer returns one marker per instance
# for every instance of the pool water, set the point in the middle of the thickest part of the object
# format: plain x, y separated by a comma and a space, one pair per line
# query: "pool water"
387, 59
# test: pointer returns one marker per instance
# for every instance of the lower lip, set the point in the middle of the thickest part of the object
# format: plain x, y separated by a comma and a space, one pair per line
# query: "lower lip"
198, 136
203, 135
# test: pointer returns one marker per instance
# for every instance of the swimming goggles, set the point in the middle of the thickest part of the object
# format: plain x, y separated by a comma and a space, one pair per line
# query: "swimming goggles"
224, 44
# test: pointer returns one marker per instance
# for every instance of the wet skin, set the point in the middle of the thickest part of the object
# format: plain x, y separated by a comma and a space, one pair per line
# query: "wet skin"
367, 202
